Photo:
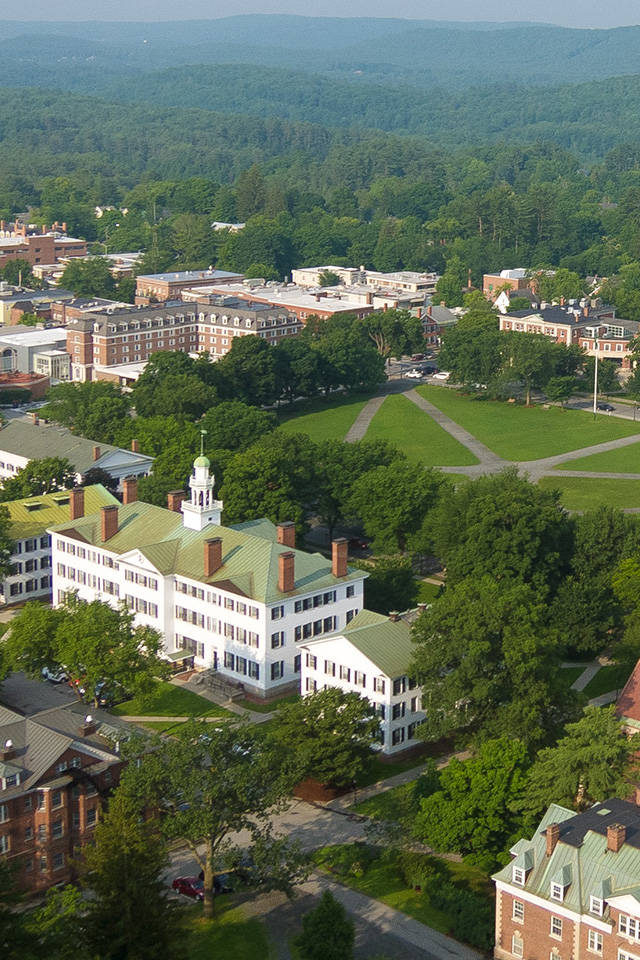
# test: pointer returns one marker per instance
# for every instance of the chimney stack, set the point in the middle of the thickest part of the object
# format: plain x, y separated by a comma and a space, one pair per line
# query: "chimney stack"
553, 835
76, 503
175, 499
616, 835
129, 489
394, 616
212, 556
135, 446
96, 453
339, 551
585, 311
88, 726
286, 571
109, 522
286, 533
8, 751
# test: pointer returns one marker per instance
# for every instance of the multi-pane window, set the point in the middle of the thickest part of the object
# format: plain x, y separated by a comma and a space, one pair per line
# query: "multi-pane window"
359, 678
518, 875
379, 684
556, 927
629, 926
397, 736
4, 812
398, 711
330, 668
518, 910
557, 892
277, 669
56, 829
594, 941
595, 906
277, 639
345, 673
517, 945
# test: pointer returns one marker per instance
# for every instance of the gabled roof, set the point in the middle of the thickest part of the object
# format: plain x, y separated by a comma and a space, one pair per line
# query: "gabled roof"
34, 441
32, 516
580, 861
249, 551
386, 643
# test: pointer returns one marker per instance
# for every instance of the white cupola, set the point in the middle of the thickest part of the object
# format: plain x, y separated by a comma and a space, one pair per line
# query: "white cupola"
201, 509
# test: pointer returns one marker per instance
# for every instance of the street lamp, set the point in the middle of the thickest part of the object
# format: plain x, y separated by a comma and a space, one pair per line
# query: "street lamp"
595, 385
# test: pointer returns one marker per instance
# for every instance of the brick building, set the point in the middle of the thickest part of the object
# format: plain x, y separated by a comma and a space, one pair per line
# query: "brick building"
572, 892
168, 286
22, 242
100, 341
55, 769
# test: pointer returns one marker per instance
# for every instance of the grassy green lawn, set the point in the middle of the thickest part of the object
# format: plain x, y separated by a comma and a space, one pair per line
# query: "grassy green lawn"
382, 770
399, 421
623, 460
382, 880
266, 707
229, 936
168, 700
584, 493
387, 804
606, 680
428, 592
569, 675
324, 419
526, 433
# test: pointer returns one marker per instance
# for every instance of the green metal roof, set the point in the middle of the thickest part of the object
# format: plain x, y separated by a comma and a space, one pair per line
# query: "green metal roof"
580, 861
32, 516
385, 642
249, 552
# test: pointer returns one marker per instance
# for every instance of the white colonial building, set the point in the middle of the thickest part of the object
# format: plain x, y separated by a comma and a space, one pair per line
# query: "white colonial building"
371, 656
240, 599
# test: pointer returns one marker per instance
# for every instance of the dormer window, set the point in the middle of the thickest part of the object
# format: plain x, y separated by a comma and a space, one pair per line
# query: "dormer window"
596, 906
557, 892
519, 875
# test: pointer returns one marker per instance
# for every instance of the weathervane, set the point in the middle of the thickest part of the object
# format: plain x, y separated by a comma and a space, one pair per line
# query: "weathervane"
203, 434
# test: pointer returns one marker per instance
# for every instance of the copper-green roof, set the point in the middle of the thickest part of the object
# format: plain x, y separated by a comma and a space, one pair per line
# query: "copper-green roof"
387, 643
32, 516
250, 551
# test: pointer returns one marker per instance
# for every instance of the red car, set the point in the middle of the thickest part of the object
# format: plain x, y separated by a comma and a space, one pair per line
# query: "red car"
189, 887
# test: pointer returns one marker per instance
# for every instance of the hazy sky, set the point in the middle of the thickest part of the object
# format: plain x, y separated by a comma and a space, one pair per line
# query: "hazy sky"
583, 13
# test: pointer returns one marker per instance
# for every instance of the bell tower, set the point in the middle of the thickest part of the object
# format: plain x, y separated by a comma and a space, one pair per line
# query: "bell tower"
201, 508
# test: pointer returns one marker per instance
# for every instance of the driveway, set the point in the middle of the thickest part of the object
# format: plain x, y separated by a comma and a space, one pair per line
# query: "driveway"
26, 696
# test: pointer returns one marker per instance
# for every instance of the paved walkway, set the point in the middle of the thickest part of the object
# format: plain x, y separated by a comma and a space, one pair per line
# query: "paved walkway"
488, 460
364, 418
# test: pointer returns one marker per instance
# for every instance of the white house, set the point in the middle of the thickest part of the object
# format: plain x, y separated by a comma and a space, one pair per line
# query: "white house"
371, 656
237, 599
23, 440
30, 575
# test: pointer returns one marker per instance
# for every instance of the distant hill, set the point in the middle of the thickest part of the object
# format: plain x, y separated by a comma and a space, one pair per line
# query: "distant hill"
417, 53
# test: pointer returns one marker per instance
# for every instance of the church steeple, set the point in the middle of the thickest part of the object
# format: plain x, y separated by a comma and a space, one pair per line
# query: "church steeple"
201, 509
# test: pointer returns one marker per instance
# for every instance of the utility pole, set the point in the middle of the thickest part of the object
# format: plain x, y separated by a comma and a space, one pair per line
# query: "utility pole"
595, 385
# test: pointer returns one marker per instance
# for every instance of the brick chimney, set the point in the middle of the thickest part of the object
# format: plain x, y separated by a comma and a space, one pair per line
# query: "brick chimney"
8, 751
585, 311
96, 453
286, 572
339, 551
129, 489
394, 616
135, 446
212, 555
553, 835
616, 835
109, 522
175, 499
286, 533
76, 503
88, 726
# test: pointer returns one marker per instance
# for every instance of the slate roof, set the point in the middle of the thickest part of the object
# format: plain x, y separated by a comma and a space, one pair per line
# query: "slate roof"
41, 739
32, 516
628, 703
385, 642
581, 858
249, 551
25, 439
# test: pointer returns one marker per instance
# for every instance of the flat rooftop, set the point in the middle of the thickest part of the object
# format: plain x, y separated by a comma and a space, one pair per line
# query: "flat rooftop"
30, 337
186, 276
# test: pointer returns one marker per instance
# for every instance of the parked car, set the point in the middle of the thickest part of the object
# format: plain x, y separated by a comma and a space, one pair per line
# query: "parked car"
417, 356
414, 374
109, 695
189, 887
55, 674
355, 543
442, 375
607, 407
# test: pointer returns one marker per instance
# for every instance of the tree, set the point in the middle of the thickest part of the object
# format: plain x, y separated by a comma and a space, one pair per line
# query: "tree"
328, 279
54, 925
172, 384
607, 375
487, 659
391, 585
17, 272
504, 526
472, 350
393, 501
234, 425
327, 932
93, 641
212, 782
123, 869
472, 810
98, 475
529, 360
592, 761
559, 389
38, 477
395, 333
332, 734
15, 941
94, 403
88, 278
249, 372
274, 478
450, 286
